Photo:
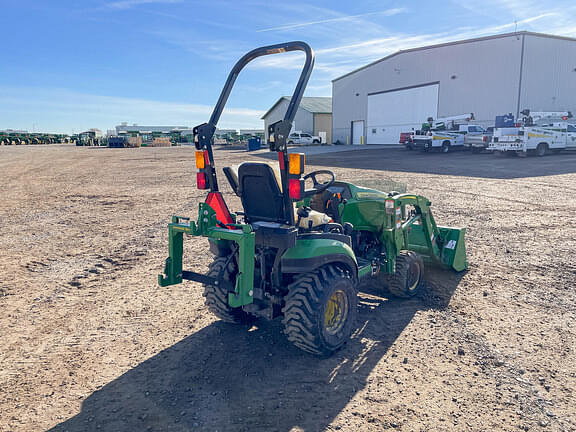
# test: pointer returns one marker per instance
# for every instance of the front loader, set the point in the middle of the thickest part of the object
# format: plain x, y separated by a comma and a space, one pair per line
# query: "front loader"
300, 253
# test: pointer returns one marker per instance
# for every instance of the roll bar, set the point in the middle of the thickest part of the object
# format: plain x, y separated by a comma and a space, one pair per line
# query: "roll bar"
279, 131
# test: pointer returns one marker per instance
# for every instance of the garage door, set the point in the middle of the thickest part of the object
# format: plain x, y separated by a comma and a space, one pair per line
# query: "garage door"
395, 111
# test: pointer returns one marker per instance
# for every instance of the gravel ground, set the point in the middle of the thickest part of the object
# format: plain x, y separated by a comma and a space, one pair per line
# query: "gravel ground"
90, 342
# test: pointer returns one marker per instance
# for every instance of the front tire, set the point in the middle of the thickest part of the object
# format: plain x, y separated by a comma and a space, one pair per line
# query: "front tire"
407, 280
217, 296
320, 310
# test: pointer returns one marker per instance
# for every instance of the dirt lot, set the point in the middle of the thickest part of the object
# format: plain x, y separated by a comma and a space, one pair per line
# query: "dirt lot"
90, 342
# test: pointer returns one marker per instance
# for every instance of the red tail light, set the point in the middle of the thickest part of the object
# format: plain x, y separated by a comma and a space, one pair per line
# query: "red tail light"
295, 186
201, 182
485, 138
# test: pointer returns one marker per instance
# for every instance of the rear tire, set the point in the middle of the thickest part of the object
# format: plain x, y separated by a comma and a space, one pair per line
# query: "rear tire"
541, 149
445, 147
320, 310
315, 142
406, 282
217, 296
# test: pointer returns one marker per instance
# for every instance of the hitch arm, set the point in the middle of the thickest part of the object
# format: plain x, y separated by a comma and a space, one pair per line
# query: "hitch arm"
243, 291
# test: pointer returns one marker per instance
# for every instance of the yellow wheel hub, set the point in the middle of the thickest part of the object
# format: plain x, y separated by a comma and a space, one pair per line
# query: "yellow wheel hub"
336, 312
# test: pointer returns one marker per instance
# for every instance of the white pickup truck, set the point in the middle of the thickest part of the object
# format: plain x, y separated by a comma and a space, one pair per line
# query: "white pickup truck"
303, 139
477, 138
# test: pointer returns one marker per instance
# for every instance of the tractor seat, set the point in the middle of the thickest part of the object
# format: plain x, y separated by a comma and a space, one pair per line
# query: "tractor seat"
259, 186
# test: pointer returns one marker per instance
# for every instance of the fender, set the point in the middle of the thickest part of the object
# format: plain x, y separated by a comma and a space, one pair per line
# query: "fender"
309, 254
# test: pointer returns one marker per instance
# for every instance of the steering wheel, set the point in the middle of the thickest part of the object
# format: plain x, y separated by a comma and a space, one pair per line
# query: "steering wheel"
318, 187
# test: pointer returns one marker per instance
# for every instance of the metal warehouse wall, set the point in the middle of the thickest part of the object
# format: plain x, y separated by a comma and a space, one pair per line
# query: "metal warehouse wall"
486, 81
548, 75
303, 121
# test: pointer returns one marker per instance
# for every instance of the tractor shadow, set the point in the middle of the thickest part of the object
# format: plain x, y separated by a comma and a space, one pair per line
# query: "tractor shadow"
231, 378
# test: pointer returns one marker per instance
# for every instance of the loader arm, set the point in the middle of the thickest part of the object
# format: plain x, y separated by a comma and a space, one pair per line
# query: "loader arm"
442, 245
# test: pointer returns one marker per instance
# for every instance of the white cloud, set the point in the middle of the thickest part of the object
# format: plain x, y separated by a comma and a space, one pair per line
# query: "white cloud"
387, 12
338, 59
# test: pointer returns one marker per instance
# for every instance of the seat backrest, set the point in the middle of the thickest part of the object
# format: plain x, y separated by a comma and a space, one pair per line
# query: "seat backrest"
260, 192
232, 177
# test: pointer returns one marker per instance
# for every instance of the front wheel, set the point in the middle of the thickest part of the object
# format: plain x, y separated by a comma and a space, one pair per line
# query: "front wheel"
407, 279
320, 310
217, 296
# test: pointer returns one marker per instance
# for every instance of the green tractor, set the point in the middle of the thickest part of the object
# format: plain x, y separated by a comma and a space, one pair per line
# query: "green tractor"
297, 253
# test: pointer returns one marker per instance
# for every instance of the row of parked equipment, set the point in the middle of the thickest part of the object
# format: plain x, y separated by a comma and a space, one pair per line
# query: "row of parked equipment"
89, 139
25, 138
537, 133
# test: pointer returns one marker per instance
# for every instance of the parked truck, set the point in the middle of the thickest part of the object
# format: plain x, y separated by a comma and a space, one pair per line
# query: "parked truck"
479, 141
444, 134
407, 139
538, 133
303, 139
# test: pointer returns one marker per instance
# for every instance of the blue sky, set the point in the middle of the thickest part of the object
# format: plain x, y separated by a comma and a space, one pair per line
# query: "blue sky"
69, 65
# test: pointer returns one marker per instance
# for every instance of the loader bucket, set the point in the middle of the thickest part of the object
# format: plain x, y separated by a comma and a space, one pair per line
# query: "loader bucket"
454, 248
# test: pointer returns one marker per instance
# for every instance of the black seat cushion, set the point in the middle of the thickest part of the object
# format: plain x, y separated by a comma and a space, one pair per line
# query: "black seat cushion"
260, 193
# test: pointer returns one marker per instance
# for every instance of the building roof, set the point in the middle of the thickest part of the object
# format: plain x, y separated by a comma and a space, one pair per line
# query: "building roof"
315, 105
499, 36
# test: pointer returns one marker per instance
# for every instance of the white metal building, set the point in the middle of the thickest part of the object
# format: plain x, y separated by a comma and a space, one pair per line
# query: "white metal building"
314, 115
487, 76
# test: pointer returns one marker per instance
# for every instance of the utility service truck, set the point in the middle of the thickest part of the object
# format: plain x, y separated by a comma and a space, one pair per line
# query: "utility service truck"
536, 134
443, 134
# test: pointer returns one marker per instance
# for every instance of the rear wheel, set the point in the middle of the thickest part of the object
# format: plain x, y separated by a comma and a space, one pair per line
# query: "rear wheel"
445, 147
320, 310
541, 149
407, 280
217, 296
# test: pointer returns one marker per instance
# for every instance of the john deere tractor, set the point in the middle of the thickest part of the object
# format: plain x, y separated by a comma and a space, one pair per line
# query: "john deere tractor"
302, 244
